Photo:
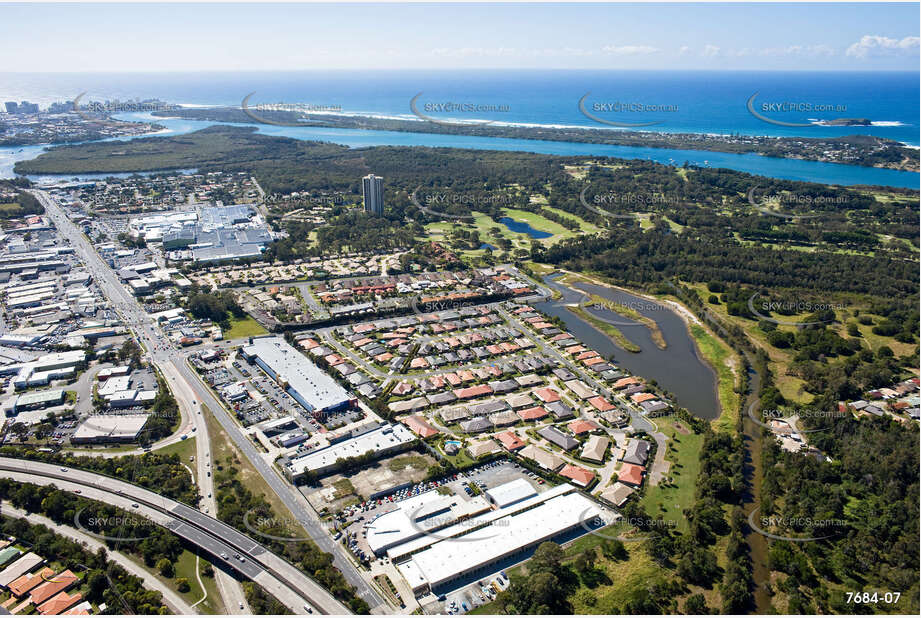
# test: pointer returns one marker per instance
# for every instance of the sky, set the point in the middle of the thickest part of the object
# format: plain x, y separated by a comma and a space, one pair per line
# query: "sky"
76, 37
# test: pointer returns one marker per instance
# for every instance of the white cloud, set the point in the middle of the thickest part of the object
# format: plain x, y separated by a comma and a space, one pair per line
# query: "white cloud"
710, 51
875, 45
684, 50
807, 51
507, 52
630, 50
475, 52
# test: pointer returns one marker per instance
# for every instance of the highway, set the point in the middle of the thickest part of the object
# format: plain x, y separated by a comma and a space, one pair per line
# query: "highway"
161, 353
280, 578
170, 597
188, 388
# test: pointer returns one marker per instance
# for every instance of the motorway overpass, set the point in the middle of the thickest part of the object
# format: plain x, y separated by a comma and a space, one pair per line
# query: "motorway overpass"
279, 577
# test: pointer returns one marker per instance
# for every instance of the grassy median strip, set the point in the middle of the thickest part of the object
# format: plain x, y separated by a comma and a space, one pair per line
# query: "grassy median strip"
223, 449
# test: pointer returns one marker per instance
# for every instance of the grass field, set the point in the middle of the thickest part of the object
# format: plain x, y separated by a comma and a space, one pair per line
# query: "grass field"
629, 313
541, 269
245, 327
10, 210
185, 568
401, 463
611, 331
669, 499
586, 227
223, 447
185, 449
461, 459
726, 364
493, 232
623, 579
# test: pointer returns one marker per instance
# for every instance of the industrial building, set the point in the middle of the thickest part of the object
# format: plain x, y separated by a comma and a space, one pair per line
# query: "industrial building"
493, 540
307, 383
511, 493
38, 399
381, 441
418, 516
106, 428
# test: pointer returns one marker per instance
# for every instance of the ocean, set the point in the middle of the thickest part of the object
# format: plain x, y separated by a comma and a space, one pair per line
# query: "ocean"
686, 102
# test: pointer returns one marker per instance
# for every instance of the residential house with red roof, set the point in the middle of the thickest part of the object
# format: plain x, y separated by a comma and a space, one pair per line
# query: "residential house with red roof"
631, 474
579, 476
510, 441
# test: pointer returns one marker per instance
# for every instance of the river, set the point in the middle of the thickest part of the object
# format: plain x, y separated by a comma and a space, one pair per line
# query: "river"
790, 169
677, 369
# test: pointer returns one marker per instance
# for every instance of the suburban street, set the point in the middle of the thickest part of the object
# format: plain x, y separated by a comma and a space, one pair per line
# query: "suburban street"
191, 395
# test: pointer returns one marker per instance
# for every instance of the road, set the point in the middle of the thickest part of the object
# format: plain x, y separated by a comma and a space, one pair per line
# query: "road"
290, 497
189, 388
280, 578
161, 353
170, 597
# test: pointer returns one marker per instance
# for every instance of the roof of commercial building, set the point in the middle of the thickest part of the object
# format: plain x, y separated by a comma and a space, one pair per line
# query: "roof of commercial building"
39, 397
376, 440
449, 558
111, 426
483, 519
418, 514
312, 384
511, 492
